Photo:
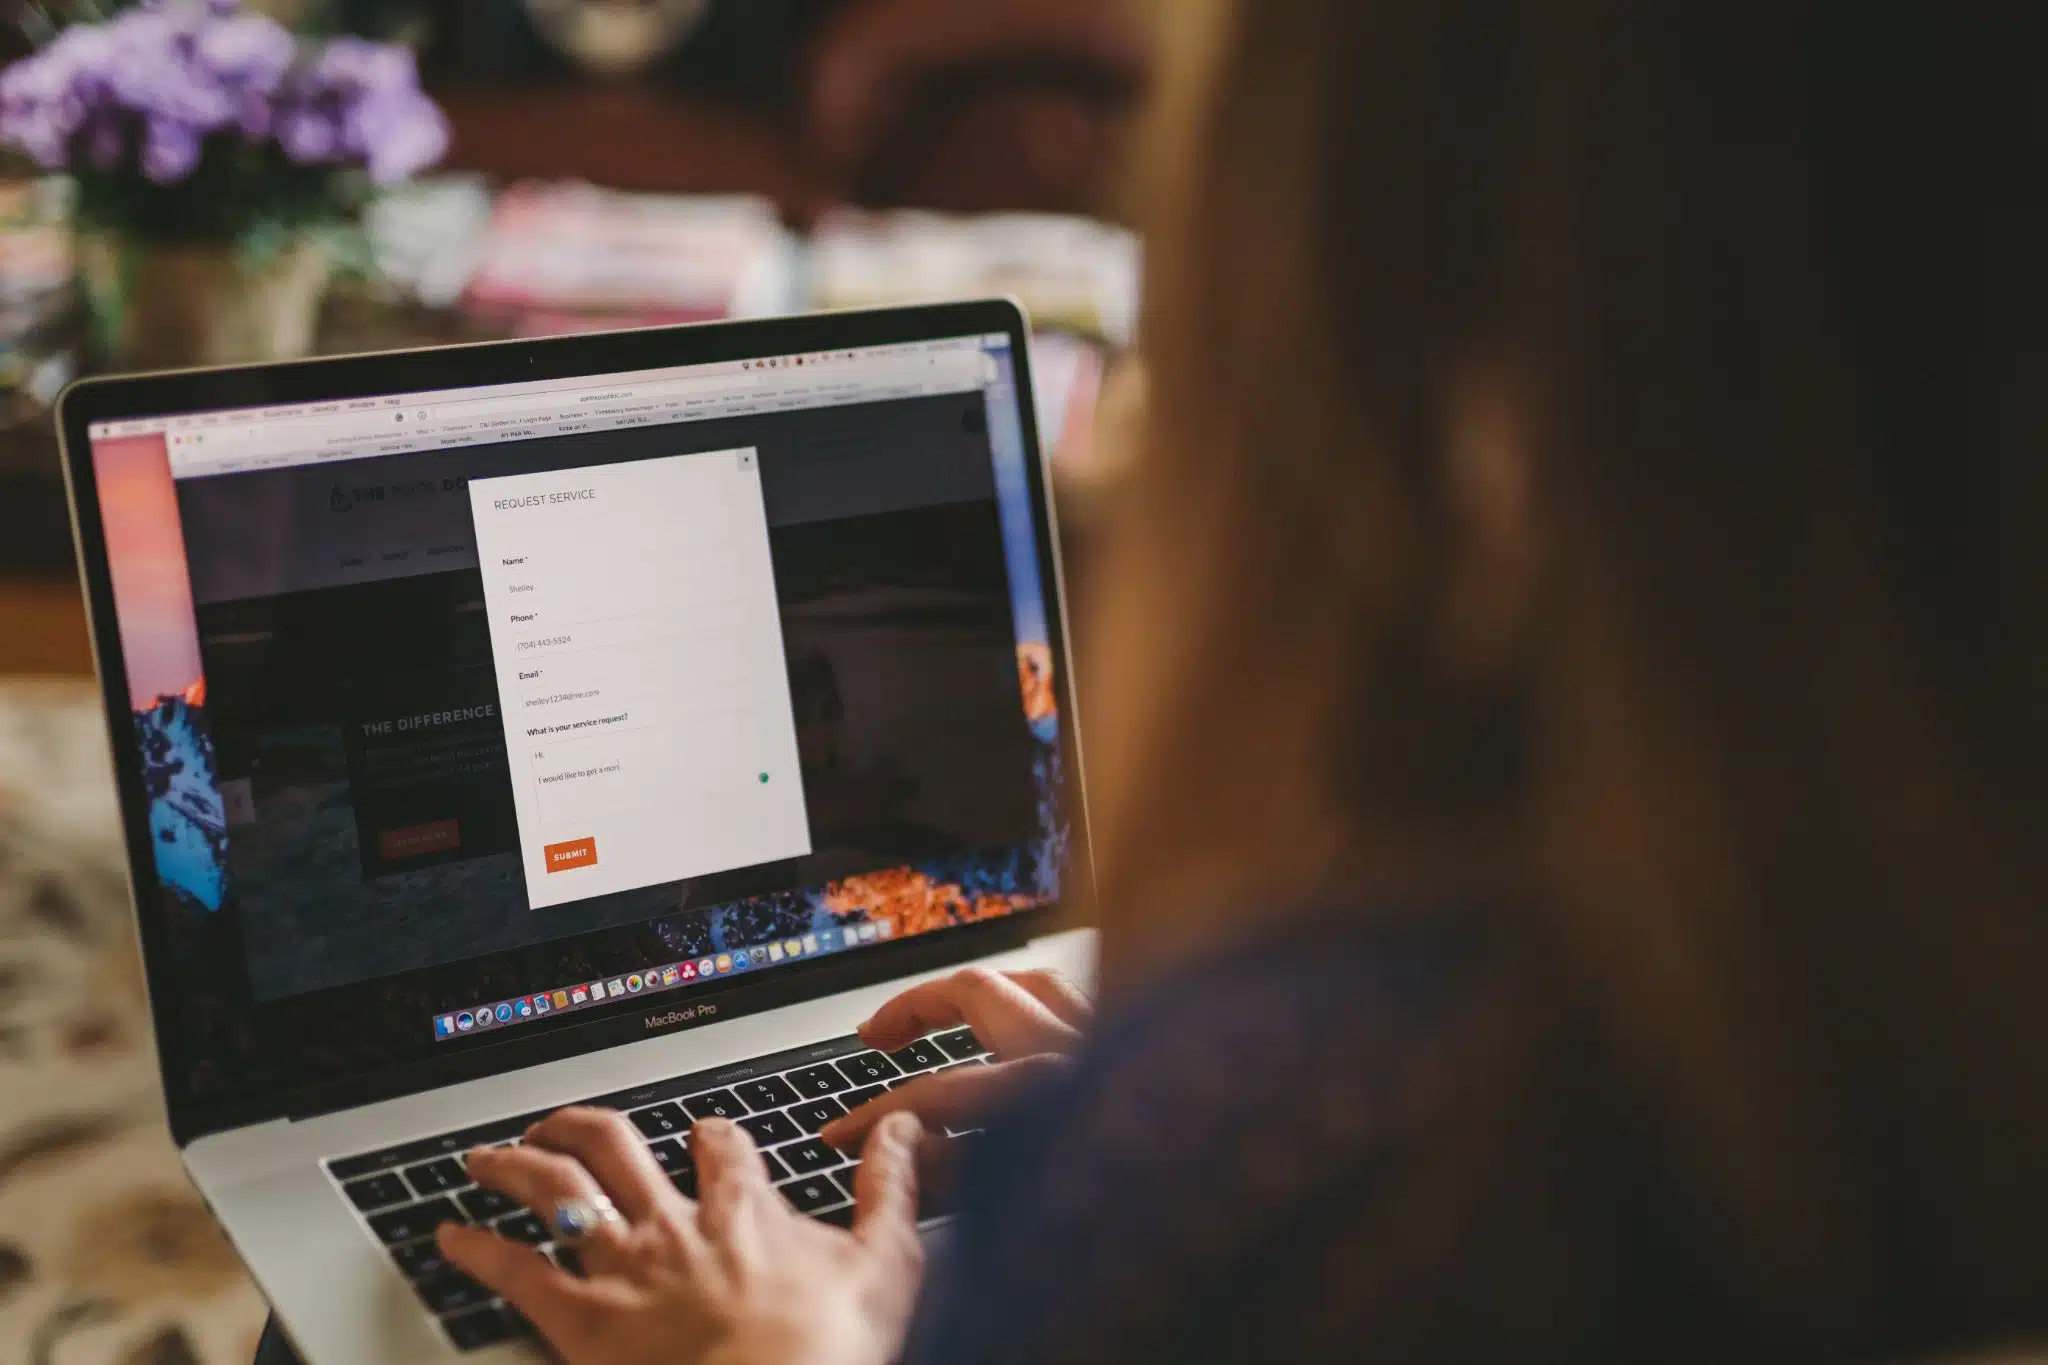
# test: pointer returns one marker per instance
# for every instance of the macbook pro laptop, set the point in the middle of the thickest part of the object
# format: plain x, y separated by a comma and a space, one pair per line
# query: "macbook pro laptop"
613, 719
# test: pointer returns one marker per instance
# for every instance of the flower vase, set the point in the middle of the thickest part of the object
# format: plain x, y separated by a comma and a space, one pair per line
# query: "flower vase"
167, 305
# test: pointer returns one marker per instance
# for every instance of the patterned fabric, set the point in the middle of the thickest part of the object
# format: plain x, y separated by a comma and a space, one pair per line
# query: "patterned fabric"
107, 1256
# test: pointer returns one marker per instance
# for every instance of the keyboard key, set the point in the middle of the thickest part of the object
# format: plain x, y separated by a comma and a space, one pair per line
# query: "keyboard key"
921, 1055
411, 1224
377, 1192
719, 1104
843, 1177
436, 1177
841, 1217
570, 1259
474, 1331
482, 1205
670, 1156
685, 1182
417, 1260
771, 1092
854, 1099
349, 1167
812, 1115
961, 1045
523, 1227
776, 1170
823, 1079
663, 1120
900, 1082
810, 1155
451, 1291
808, 1196
769, 1129
868, 1068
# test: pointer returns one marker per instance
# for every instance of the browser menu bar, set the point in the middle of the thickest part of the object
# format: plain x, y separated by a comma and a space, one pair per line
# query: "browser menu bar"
241, 440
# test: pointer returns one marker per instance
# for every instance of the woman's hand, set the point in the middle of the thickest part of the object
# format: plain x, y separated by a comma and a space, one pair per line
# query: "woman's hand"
1031, 1022
736, 1277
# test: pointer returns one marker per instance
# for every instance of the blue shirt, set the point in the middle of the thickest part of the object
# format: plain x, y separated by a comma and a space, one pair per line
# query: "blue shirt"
1219, 1176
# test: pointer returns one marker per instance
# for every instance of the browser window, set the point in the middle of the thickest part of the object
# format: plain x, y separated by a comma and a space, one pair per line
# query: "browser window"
630, 671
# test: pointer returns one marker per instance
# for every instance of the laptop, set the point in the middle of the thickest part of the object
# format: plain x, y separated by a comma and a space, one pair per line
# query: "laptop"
612, 719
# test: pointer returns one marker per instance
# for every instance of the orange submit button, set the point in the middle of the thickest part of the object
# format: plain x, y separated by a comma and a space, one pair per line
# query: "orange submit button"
574, 853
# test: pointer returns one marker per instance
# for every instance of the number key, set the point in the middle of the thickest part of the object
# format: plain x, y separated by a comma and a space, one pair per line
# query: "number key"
770, 1092
436, 1177
921, 1055
663, 1120
719, 1104
868, 1068
823, 1079
376, 1192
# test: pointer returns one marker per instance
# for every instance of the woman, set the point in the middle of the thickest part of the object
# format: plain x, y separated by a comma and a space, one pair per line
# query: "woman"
1566, 734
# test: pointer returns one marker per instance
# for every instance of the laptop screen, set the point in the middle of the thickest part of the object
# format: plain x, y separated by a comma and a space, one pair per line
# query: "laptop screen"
463, 713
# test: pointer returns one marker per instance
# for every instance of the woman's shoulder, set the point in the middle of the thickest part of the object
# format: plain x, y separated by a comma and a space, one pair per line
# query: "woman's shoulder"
1218, 1151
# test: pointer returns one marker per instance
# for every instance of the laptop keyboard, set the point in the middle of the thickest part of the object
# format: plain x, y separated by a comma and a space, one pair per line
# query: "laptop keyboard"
402, 1193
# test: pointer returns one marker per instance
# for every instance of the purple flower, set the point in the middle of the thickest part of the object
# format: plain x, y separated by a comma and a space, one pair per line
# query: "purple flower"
250, 51
348, 66
184, 71
399, 137
309, 136
170, 150
253, 114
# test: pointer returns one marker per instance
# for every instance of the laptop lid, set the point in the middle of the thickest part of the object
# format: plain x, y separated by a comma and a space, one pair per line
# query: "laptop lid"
476, 707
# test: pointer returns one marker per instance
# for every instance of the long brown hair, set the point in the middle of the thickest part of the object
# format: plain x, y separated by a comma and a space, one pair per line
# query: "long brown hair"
1745, 705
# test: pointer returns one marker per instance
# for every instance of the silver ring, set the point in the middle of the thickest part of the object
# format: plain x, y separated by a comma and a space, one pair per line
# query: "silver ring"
577, 1219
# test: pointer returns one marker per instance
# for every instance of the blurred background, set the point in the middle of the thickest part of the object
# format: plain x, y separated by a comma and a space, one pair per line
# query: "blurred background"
199, 181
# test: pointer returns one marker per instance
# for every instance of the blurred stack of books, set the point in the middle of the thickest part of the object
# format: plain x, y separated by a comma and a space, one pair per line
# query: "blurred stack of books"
542, 259
538, 259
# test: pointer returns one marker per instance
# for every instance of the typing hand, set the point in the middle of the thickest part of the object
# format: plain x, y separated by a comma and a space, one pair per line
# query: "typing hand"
1029, 1021
735, 1277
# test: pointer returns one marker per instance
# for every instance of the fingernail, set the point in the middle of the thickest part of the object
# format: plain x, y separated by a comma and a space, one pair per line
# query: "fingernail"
902, 1128
714, 1130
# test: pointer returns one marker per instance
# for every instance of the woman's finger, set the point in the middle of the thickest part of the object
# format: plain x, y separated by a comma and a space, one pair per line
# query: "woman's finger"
558, 1303
610, 1149
885, 1187
540, 1179
1057, 993
730, 1181
1008, 1019
951, 1099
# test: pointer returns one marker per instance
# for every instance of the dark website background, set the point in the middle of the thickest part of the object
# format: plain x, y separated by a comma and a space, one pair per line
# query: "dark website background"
903, 660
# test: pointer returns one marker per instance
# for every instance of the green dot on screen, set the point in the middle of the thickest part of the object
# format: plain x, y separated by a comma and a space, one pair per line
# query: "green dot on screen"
764, 777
